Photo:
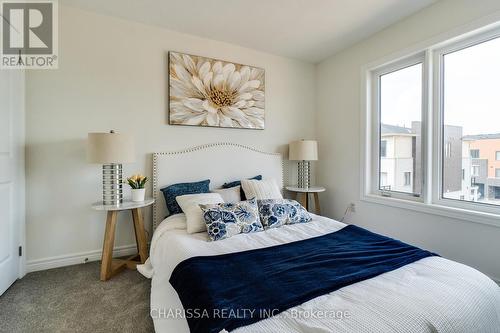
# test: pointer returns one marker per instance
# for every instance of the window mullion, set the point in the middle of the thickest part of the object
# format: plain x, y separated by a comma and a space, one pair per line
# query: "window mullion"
436, 136
427, 127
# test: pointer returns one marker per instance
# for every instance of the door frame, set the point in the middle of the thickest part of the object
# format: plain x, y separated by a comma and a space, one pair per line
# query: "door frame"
17, 93
19, 82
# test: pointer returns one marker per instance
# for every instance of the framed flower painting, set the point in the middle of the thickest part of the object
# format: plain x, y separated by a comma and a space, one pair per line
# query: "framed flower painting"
210, 92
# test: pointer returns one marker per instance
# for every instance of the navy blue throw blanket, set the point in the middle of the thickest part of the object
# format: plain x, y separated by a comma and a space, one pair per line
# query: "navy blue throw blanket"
237, 289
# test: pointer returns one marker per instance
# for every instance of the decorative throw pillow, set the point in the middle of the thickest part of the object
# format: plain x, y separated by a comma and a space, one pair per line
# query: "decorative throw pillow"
173, 191
228, 219
232, 194
190, 205
275, 213
261, 189
238, 182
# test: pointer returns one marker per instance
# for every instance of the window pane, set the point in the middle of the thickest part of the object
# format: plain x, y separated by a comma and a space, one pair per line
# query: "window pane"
472, 123
400, 130
383, 148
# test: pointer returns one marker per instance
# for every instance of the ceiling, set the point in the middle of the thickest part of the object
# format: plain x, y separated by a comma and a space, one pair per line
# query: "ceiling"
309, 30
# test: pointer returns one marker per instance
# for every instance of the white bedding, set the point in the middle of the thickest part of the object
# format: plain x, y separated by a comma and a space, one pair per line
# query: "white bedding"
431, 295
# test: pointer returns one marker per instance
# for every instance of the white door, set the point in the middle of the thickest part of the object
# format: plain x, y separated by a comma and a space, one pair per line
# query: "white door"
11, 176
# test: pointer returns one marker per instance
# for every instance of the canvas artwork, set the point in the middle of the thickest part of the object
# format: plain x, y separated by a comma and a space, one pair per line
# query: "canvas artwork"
210, 92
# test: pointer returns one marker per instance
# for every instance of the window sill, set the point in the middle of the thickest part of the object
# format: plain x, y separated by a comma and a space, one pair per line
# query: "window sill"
436, 209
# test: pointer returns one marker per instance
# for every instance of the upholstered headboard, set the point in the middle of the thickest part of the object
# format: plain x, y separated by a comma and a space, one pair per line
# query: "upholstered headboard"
219, 162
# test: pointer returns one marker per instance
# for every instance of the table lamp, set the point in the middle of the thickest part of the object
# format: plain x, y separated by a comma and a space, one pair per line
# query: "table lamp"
303, 151
111, 150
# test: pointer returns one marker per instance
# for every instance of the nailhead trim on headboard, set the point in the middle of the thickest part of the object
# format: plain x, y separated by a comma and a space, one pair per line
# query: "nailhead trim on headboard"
193, 149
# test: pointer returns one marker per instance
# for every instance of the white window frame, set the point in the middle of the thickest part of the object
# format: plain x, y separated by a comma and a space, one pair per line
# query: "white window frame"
497, 155
430, 201
375, 124
438, 109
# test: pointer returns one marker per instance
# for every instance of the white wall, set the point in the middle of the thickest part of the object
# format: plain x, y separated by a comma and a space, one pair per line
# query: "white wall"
338, 126
113, 75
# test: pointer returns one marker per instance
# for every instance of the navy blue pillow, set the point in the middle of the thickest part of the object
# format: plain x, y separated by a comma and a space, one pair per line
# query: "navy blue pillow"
238, 182
173, 191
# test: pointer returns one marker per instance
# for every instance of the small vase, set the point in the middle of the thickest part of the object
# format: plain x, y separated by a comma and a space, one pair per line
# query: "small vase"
138, 194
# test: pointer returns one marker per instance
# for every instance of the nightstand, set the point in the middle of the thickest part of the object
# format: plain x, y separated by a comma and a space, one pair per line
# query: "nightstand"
303, 196
110, 266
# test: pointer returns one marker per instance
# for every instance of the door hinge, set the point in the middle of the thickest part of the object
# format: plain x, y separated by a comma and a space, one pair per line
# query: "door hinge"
20, 251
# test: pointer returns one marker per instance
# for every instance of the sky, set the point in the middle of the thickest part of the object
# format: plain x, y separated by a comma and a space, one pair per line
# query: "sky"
471, 91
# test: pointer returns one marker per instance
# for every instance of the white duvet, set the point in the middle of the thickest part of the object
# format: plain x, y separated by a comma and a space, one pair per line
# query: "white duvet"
431, 295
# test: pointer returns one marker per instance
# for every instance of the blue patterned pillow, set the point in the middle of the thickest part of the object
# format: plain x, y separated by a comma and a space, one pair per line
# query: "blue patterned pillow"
173, 191
225, 220
238, 182
277, 212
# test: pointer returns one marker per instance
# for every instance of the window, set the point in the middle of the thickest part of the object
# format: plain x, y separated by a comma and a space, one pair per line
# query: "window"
407, 178
475, 170
433, 128
399, 91
469, 75
447, 149
383, 148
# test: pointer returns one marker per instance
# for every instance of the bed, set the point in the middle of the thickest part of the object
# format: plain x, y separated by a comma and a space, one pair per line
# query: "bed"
429, 295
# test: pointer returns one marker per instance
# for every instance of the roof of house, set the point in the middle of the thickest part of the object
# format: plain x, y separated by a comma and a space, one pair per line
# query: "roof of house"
391, 129
481, 137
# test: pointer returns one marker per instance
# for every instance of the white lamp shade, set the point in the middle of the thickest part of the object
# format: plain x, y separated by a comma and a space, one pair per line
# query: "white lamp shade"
107, 148
303, 150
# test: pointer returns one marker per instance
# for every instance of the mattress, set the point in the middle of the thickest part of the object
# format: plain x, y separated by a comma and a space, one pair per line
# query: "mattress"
433, 294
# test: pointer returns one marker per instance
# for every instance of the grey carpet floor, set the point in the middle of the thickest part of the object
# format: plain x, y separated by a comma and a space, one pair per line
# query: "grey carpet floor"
72, 299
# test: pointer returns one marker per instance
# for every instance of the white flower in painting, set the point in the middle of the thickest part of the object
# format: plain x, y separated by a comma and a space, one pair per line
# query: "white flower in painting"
213, 93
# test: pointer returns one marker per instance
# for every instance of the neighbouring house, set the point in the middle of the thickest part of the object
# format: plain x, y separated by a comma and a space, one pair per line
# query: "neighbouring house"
401, 151
484, 160
471, 163
397, 152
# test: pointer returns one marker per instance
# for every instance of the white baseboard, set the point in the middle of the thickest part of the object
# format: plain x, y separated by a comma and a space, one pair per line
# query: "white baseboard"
76, 258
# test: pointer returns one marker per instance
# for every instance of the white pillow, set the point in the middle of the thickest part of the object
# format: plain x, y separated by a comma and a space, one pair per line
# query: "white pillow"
261, 189
189, 204
230, 195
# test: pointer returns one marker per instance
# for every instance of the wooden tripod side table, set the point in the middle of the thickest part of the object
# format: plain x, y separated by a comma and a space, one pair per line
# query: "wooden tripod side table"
303, 196
110, 266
